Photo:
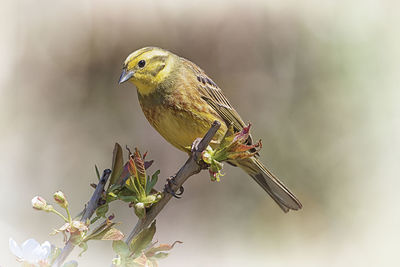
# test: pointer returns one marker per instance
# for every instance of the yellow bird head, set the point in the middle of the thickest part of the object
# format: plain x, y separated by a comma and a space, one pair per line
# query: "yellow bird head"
147, 67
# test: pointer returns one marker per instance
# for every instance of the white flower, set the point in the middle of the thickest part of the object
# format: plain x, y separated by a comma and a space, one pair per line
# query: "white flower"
31, 251
39, 203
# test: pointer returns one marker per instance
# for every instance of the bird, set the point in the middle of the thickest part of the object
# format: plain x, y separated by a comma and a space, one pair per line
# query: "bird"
181, 102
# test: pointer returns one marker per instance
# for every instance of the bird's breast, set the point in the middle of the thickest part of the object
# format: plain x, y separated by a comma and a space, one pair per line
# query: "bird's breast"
180, 118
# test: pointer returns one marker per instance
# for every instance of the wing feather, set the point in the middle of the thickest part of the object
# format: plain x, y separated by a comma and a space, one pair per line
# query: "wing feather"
214, 96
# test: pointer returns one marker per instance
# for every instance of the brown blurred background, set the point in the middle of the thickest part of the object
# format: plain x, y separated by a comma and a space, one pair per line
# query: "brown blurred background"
318, 80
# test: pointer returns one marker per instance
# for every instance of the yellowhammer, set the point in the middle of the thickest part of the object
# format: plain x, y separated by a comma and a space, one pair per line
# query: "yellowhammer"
180, 101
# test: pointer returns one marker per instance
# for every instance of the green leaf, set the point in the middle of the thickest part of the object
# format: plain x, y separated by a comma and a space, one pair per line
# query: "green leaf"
121, 248
111, 197
110, 233
140, 210
97, 172
143, 239
161, 255
131, 185
92, 221
102, 210
117, 164
105, 231
100, 228
125, 191
228, 138
151, 182
141, 190
128, 198
115, 187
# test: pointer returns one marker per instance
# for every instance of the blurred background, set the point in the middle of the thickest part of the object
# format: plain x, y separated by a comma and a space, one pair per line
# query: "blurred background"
318, 80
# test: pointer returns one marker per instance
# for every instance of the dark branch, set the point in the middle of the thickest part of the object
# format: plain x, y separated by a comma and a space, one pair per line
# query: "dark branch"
89, 210
190, 168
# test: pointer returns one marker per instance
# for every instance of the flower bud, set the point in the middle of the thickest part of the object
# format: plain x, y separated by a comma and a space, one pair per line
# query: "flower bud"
39, 203
60, 198
140, 210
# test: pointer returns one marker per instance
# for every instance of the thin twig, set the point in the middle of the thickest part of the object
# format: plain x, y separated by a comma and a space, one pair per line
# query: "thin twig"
190, 168
89, 210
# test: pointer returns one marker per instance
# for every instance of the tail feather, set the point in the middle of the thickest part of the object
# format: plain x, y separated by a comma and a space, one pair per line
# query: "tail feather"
275, 188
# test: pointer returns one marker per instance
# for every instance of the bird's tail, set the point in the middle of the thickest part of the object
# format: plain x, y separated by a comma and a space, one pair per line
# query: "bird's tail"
275, 188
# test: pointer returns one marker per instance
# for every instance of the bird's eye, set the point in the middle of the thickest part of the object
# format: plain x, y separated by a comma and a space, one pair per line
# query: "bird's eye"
141, 63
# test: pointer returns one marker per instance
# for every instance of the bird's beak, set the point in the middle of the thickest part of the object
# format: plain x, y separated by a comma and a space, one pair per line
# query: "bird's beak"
125, 75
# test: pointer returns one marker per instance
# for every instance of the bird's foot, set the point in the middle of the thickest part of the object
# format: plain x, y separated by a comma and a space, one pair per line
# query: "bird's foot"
168, 188
196, 143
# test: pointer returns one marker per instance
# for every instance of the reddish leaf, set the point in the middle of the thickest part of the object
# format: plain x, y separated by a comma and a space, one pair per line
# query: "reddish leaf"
243, 135
125, 173
132, 166
147, 164
143, 239
139, 164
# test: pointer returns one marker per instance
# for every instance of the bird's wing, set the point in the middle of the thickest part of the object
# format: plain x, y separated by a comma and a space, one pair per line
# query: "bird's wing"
214, 96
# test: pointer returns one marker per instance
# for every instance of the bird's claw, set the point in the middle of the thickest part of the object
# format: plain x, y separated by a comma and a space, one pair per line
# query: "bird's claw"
168, 188
180, 191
